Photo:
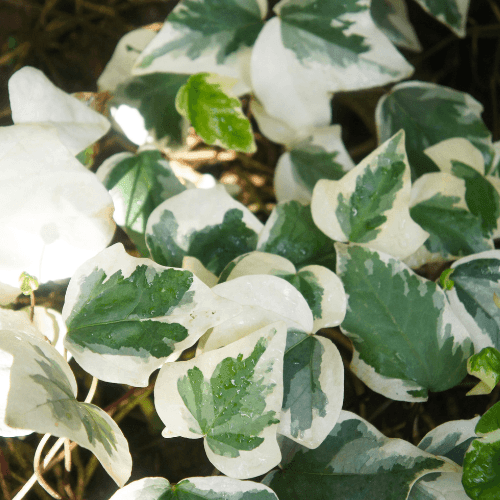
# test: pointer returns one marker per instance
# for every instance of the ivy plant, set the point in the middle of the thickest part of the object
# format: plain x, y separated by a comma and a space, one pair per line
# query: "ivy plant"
232, 309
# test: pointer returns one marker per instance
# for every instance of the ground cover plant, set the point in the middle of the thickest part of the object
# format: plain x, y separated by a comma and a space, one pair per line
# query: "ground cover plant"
237, 329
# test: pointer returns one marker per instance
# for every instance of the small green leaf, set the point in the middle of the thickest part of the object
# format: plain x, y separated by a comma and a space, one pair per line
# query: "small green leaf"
28, 283
216, 116
445, 281
452, 13
484, 365
481, 477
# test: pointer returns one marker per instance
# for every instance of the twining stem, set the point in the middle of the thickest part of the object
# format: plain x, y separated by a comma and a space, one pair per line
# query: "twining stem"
67, 455
39, 470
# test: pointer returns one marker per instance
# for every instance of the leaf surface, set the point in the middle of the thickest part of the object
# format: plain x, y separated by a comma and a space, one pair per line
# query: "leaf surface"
369, 205
476, 282
429, 114
204, 223
407, 339
215, 113
291, 233
231, 397
452, 13
194, 488
126, 316
484, 365
42, 398
355, 461
313, 378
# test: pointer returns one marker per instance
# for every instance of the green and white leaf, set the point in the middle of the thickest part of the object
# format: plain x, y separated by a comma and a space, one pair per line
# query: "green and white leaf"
55, 213
407, 340
480, 478
391, 17
34, 99
438, 205
215, 113
462, 159
321, 287
328, 46
119, 67
143, 107
354, 462
452, 13
232, 397
439, 486
484, 365
204, 223
206, 36
262, 299
291, 233
322, 155
450, 439
477, 281
313, 379
194, 488
370, 204
138, 184
429, 114
42, 398
126, 316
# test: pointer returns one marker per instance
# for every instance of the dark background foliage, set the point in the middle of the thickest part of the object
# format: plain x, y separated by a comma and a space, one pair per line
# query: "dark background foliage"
71, 41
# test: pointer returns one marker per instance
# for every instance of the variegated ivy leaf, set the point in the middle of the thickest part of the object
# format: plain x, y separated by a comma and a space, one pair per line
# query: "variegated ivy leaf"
369, 205
476, 282
35, 99
119, 67
313, 386
480, 477
484, 365
439, 486
262, 300
322, 155
204, 223
450, 439
54, 213
354, 462
438, 205
231, 397
215, 113
321, 287
407, 340
194, 488
138, 184
461, 158
144, 106
126, 316
206, 36
42, 397
328, 46
452, 13
391, 16
291, 233
429, 114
